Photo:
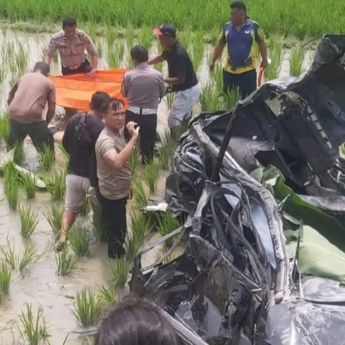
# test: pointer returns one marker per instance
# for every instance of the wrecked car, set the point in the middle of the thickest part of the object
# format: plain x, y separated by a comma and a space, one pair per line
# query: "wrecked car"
262, 189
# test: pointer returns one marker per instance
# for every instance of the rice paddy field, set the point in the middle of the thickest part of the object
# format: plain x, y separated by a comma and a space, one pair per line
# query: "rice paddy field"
51, 298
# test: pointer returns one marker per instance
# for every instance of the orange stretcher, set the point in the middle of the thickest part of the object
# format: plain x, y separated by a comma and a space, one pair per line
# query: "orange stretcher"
75, 90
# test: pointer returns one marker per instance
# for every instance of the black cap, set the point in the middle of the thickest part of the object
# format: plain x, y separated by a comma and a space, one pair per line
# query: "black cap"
167, 29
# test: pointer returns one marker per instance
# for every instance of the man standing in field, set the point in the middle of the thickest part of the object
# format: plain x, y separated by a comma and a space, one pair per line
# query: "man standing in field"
144, 87
27, 100
72, 45
182, 78
114, 175
243, 38
79, 141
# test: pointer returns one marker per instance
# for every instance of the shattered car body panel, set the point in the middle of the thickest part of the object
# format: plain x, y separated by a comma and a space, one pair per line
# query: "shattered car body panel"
235, 282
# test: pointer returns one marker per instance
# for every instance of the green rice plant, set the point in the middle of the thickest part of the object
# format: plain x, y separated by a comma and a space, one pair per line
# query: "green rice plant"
11, 185
65, 261
210, 99
53, 216
87, 307
46, 157
168, 223
198, 48
120, 269
218, 79
231, 98
169, 98
134, 161
166, 151
79, 239
271, 72
18, 154
56, 185
29, 257
33, 326
139, 195
107, 295
132, 246
140, 227
296, 61
8, 254
29, 183
5, 280
28, 221
4, 127
152, 175
86, 208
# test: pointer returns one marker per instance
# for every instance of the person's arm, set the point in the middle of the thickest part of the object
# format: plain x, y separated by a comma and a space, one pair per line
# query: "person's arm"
66, 136
156, 60
262, 47
51, 104
218, 50
51, 51
12, 93
124, 86
119, 159
92, 51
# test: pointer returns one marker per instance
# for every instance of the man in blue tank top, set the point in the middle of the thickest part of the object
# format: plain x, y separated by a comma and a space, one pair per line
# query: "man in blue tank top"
244, 40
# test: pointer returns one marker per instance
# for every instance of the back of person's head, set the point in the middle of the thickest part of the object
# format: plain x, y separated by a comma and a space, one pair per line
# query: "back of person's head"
139, 54
42, 67
69, 21
239, 5
100, 101
136, 323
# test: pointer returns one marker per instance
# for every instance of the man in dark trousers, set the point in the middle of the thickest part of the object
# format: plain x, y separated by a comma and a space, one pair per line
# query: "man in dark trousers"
27, 101
79, 141
144, 87
243, 39
182, 78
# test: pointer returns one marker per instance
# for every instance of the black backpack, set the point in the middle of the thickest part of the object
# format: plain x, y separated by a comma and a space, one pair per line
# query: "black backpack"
82, 132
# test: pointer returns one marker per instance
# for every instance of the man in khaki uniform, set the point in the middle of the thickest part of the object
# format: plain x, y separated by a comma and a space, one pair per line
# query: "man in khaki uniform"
72, 45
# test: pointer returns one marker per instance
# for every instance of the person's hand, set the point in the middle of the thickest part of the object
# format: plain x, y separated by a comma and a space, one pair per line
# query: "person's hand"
92, 73
211, 66
133, 129
264, 64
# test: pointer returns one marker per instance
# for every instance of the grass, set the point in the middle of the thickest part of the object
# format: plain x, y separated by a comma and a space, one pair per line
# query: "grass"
296, 61
29, 257
152, 175
4, 127
46, 157
5, 280
140, 228
53, 216
33, 327
120, 269
56, 185
139, 195
8, 254
210, 98
166, 151
86, 208
65, 261
29, 183
134, 160
275, 51
107, 295
79, 239
18, 155
167, 223
28, 221
87, 307
11, 188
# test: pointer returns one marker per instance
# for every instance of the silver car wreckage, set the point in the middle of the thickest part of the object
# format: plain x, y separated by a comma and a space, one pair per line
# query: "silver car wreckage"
261, 189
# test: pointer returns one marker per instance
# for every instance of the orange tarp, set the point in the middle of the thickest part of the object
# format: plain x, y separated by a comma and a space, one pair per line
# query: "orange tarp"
75, 91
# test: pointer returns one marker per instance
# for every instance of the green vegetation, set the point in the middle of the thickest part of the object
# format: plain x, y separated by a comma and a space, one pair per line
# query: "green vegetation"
151, 175
29, 257
79, 239
121, 268
296, 61
56, 185
8, 254
33, 327
53, 216
5, 280
11, 185
47, 157
28, 221
65, 261
29, 183
4, 126
18, 155
88, 307
168, 223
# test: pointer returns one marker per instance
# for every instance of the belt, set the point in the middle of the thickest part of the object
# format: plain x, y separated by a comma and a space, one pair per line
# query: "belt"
72, 67
142, 111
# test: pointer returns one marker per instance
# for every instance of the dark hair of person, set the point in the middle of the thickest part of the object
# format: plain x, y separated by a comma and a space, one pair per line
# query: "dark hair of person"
116, 104
69, 21
43, 67
239, 5
100, 101
136, 323
139, 53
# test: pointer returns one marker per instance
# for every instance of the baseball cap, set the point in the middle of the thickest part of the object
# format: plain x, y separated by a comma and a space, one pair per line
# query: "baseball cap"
166, 29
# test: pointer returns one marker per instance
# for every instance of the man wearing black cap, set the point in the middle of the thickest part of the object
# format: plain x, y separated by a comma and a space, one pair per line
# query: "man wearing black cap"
182, 78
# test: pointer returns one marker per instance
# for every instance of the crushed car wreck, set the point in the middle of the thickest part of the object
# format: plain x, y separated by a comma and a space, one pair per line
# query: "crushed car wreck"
263, 190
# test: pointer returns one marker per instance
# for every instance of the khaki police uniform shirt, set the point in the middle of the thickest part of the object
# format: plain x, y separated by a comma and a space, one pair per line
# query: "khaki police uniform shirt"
72, 52
113, 183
